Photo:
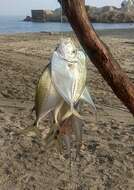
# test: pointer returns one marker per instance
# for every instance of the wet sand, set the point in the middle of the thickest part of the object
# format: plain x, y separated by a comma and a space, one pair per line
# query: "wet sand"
107, 158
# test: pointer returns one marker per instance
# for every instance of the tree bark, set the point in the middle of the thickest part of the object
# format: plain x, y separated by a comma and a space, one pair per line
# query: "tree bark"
98, 52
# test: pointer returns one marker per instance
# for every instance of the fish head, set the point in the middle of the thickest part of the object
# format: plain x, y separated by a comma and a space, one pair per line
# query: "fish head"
67, 49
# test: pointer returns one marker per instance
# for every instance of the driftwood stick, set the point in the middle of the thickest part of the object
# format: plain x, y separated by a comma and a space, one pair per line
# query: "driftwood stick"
98, 52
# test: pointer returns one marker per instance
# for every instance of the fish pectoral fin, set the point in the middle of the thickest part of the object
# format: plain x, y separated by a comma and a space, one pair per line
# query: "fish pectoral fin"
87, 98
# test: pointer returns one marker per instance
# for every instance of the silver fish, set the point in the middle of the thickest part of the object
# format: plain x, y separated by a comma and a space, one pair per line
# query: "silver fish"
62, 86
68, 68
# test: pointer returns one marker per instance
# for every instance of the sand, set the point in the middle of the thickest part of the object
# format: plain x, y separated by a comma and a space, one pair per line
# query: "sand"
107, 158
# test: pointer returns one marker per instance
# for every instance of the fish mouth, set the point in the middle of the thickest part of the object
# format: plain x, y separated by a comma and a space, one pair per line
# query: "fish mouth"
67, 58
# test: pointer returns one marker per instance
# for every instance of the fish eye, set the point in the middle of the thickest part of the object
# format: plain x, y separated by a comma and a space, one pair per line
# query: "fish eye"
74, 51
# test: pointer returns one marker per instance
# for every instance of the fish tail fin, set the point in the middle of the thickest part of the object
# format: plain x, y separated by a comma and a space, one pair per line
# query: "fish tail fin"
71, 112
53, 138
36, 123
77, 129
67, 142
60, 137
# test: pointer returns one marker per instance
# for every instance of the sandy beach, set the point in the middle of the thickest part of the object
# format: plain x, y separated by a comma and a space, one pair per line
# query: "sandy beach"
107, 156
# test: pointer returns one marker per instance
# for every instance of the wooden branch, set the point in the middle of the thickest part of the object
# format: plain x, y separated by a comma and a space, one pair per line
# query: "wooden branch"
98, 52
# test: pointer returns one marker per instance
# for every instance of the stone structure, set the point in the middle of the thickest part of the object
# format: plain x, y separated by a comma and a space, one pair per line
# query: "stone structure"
40, 15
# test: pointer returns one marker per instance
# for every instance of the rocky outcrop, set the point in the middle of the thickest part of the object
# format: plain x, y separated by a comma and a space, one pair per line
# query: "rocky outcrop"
110, 14
127, 5
56, 16
28, 19
106, 14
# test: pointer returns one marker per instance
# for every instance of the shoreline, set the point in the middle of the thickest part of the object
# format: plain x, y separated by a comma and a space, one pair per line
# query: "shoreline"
126, 33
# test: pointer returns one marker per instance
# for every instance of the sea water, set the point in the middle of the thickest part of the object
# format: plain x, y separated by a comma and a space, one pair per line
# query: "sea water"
15, 24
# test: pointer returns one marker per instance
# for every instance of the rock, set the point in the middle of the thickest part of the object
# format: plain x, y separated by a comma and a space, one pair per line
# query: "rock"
111, 14
56, 16
127, 5
115, 17
28, 19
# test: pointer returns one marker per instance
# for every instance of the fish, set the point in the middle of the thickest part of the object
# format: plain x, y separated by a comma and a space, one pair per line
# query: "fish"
68, 71
74, 126
46, 99
60, 88
61, 136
